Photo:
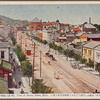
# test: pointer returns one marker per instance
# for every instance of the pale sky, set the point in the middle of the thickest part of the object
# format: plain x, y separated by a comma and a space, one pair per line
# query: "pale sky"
65, 13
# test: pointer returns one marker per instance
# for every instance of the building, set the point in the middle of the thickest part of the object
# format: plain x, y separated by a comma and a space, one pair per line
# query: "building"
89, 28
87, 51
97, 54
76, 30
4, 51
48, 25
82, 36
35, 25
57, 25
45, 35
5, 69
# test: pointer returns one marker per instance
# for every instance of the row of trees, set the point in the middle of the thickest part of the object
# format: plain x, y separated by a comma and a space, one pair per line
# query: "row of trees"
97, 26
42, 41
38, 86
71, 54
13, 39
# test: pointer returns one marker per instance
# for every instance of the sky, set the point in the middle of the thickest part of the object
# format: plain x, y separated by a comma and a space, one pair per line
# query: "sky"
65, 13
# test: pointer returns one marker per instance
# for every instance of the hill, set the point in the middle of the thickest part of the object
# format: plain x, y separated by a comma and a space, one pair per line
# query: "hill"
13, 22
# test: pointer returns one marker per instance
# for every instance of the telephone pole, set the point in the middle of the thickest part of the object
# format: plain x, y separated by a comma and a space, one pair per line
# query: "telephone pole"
33, 64
40, 63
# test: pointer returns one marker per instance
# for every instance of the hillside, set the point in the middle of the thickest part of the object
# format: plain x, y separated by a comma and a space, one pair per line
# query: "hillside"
13, 22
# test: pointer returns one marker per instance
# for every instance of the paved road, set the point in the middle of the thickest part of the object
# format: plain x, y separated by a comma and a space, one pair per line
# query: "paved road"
61, 76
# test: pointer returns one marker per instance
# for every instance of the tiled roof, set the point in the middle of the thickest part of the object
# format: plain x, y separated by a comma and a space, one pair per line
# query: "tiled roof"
80, 33
89, 26
3, 45
3, 86
70, 35
93, 35
64, 24
91, 44
47, 24
35, 20
76, 29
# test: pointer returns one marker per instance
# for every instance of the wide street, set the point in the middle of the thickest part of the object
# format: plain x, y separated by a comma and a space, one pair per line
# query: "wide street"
61, 76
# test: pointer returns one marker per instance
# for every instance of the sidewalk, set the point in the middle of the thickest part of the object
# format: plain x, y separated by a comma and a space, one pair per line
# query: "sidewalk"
17, 77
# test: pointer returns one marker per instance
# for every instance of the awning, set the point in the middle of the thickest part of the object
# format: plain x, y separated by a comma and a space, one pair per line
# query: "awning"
62, 38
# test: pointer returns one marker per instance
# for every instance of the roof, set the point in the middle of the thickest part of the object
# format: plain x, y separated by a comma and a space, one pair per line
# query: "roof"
89, 26
70, 35
6, 65
46, 24
3, 86
93, 35
80, 33
97, 48
3, 45
36, 20
91, 44
4, 33
62, 38
64, 24
19, 28
76, 29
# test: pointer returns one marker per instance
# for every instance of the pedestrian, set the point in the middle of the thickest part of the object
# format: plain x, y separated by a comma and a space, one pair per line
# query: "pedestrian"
96, 91
19, 83
49, 62
22, 91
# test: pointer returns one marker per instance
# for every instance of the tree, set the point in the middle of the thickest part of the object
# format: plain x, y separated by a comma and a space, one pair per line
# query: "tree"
13, 39
27, 69
83, 60
76, 57
21, 55
90, 63
70, 53
39, 86
97, 67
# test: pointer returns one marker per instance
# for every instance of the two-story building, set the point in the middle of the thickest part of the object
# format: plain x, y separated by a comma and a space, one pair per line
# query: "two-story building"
87, 51
97, 54
35, 24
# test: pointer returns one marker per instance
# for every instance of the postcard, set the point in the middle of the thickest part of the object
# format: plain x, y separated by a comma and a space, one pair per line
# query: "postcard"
49, 49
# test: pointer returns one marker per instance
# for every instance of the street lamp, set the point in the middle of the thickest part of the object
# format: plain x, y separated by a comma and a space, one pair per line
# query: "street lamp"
40, 63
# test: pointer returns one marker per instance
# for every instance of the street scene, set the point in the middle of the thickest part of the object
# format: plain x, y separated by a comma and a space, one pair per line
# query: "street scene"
49, 54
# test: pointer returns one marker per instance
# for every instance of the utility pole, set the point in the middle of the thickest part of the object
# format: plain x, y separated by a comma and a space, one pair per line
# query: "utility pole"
21, 41
40, 63
67, 49
33, 64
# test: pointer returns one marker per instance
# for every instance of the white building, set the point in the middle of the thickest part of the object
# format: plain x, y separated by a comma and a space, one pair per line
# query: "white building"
4, 51
97, 54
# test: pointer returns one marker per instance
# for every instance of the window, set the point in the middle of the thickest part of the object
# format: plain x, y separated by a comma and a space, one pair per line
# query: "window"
2, 54
97, 55
89, 52
85, 51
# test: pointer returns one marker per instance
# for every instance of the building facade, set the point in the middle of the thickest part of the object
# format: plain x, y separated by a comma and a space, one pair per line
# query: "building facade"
88, 49
97, 54
35, 25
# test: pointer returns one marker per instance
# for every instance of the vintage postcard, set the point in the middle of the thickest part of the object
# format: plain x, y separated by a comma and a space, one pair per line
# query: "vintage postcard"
49, 49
